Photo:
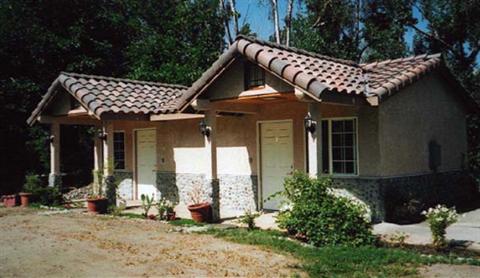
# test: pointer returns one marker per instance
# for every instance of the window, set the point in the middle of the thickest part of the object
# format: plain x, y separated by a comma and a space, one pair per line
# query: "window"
339, 146
254, 76
119, 150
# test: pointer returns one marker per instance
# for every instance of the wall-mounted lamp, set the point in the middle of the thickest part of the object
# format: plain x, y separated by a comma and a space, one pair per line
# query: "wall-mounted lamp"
49, 139
204, 128
310, 124
102, 135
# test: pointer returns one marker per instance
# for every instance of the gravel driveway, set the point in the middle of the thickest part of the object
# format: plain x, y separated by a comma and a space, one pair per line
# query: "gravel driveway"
78, 245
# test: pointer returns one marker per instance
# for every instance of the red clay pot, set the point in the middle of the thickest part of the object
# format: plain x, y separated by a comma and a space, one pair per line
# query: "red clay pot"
201, 212
10, 200
25, 199
98, 205
171, 216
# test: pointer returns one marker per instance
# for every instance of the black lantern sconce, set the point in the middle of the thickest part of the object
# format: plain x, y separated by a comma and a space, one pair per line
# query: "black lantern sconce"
204, 128
102, 135
49, 139
310, 124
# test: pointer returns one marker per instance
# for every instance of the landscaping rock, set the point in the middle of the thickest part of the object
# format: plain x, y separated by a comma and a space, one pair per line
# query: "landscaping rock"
79, 193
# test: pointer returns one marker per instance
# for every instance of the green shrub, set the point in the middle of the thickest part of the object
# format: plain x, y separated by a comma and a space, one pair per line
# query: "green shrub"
313, 212
147, 203
48, 196
248, 218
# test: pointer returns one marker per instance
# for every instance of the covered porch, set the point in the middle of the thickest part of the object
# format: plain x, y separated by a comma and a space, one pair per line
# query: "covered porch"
235, 151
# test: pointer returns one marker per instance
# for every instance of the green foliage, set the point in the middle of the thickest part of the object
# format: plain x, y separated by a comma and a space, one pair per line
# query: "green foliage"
147, 203
166, 41
248, 218
48, 196
117, 210
313, 212
185, 222
341, 261
439, 218
164, 207
355, 30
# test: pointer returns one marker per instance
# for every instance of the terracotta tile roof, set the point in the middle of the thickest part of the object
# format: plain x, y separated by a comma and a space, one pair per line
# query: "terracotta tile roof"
102, 94
316, 73
390, 75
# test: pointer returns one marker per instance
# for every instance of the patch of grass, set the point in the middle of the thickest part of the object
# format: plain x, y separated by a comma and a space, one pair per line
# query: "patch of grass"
338, 261
185, 222
132, 215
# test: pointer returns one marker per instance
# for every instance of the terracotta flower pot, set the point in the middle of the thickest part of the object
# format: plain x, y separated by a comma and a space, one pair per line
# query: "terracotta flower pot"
10, 200
25, 199
201, 212
171, 216
98, 205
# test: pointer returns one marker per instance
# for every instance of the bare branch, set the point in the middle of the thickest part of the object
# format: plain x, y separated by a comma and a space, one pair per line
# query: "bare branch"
226, 22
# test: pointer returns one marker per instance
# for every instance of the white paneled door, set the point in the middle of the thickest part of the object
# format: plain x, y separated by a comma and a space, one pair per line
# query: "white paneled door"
276, 159
146, 149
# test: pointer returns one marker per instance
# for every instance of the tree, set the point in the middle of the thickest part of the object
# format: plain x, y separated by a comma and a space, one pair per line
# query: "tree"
170, 41
276, 24
358, 30
288, 22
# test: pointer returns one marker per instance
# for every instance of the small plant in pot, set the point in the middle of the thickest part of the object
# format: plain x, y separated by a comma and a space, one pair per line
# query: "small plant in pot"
96, 203
200, 209
166, 210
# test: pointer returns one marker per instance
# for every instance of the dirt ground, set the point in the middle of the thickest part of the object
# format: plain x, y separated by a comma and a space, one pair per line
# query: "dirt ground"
79, 245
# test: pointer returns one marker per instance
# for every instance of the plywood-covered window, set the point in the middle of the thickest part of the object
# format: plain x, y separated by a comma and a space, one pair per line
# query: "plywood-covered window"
339, 146
119, 150
254, 76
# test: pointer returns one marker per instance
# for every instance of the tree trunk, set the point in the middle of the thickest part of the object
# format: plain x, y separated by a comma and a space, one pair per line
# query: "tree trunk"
235, 16
288, 22
275, 20
226, 22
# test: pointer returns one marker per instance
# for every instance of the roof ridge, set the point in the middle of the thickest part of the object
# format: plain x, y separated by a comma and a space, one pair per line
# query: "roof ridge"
73, 74
298, 50
412, 57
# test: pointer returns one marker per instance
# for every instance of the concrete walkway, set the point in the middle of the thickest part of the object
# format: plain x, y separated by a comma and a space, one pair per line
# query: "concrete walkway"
465, 232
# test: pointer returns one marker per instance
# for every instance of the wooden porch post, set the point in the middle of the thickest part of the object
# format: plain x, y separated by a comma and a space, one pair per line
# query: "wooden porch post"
98, 163
108, 163
314, 142
55, 178
211, 161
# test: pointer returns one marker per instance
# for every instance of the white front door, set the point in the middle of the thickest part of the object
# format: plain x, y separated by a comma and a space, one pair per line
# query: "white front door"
276, 159
146, 147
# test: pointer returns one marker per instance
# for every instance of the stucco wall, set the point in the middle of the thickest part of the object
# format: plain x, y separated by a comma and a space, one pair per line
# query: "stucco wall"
411, 118
231, 84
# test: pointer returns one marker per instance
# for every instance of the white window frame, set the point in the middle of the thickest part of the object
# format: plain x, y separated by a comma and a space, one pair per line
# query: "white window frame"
124, 150
330, 149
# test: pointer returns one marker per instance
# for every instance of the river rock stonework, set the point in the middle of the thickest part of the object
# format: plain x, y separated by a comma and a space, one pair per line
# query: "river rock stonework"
392, 198
232, 194
124, 180
238, 193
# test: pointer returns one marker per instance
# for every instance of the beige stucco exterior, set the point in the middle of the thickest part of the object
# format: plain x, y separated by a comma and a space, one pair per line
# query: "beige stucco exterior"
407, 121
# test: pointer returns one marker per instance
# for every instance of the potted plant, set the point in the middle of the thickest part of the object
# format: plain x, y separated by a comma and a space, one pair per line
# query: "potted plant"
9, 200
96, 203
166, 210
200, 209
25, 198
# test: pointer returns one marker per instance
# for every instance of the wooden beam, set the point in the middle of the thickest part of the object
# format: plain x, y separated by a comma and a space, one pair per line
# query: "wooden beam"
124, 117
64, 120
240, 108
174, 117
201, 104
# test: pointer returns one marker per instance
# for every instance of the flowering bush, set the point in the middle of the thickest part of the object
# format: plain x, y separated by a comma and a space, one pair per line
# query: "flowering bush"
164, 207
313, 212
439, 218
